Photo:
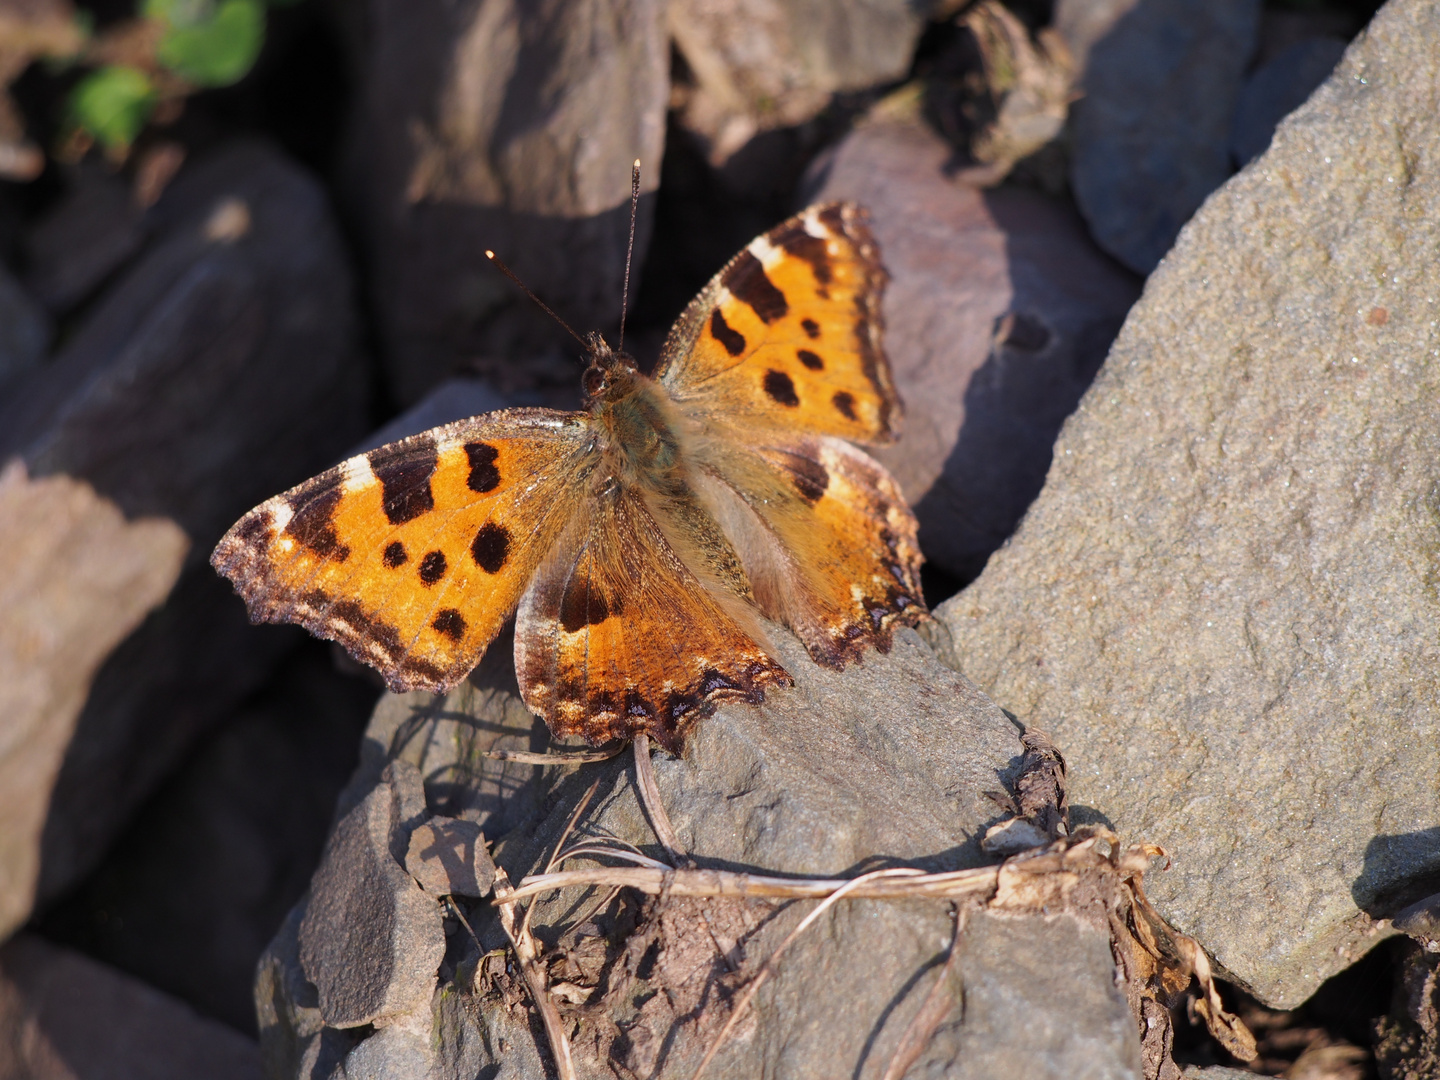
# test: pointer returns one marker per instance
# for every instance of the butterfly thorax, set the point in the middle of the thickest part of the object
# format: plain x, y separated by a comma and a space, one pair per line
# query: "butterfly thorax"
638, 427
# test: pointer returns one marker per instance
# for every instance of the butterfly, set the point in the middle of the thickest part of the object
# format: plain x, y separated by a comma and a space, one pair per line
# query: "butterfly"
647, 544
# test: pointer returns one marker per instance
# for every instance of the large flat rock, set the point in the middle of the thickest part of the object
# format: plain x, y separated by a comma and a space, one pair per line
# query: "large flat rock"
1223, 603
846, 771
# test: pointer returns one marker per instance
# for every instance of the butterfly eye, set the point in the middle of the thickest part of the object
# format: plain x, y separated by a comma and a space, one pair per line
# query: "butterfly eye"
594, 382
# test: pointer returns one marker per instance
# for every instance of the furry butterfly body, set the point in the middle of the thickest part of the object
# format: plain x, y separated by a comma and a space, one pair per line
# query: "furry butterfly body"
645, 544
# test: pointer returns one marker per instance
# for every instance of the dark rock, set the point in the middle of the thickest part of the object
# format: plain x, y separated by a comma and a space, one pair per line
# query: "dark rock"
998, 314
888, 761
89, 234
63, 1015
24, 330
198, 884
1420, 920
448, 858
1277, 89
220, 368
490, 124
1407, 1042
371, 940
1151, 135
75, 579
1221, 604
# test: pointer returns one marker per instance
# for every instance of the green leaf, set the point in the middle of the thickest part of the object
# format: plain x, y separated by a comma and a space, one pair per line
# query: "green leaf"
213, 50
112, 104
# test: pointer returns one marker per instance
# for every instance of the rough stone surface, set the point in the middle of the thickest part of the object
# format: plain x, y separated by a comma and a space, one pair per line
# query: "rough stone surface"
24, 330
508, 126
1216, 1072
447, 857
1223, 603
75, 579
1020, 1019
1151, 134
371, 940
220, 367
763, 64
888, 761
1276, 89
998, 314
65, 1017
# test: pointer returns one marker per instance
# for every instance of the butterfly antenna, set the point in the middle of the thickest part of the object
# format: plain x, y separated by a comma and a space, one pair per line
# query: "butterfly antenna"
629, 249
543, 306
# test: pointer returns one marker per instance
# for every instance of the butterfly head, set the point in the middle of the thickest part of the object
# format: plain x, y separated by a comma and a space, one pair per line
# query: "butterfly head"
609, 373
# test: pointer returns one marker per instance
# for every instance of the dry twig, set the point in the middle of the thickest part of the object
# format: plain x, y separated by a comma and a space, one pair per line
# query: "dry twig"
525, 954
579, 757
654, 808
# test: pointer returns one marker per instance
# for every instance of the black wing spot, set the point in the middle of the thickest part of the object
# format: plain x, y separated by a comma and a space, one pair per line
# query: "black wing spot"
810, 360
484, 476
720, 330
796, 241
491, 547
405, 473
747, 282
450, 622
432, 567
844, 403
781, 387
811, 328
581, 607
396, 555
313, 525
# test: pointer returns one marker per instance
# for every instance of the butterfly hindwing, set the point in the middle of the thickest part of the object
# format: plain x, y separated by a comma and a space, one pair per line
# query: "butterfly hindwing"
413, 555
828, 541
787, 335
618, 636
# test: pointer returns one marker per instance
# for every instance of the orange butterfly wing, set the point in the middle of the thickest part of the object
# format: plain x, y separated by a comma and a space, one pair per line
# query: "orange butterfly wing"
618, 635
787, 335
826, 537
413, 555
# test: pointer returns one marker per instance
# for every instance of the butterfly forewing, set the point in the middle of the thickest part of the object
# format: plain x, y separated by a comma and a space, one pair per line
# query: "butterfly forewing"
413, 555
788, 334
617, 635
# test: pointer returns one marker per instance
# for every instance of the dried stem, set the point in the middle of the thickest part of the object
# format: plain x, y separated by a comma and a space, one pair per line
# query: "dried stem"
654, 808
768, 968
580, 757
937, 1005
955, 884
525, 955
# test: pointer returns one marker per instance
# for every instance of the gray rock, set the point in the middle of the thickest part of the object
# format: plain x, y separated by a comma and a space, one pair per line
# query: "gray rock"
1222, 605
1278, 88
887, 761
1151, 135
998, 314
371, 940
758, 65
24, 330
294, 1041
1020, 1020
221, 367
448, 858
75, 579
63, 1015
1216, 1072
500, 125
